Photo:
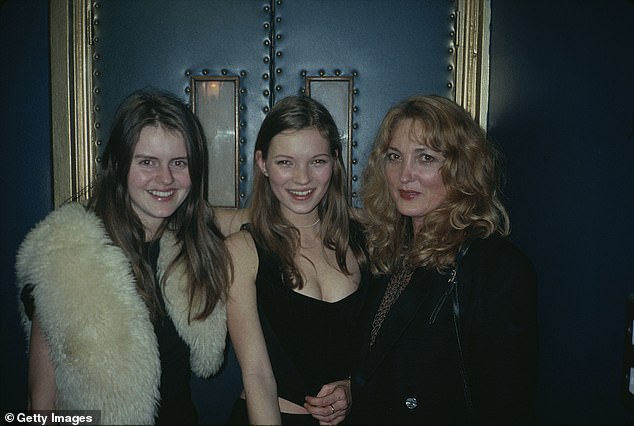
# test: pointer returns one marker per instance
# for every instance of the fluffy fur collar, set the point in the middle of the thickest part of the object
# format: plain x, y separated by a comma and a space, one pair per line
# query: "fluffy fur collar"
101, 340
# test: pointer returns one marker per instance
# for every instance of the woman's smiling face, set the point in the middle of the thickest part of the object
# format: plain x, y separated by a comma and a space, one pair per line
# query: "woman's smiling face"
158, 180
299, 168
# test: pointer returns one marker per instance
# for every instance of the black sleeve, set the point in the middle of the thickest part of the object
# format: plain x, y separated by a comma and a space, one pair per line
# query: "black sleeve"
27, 300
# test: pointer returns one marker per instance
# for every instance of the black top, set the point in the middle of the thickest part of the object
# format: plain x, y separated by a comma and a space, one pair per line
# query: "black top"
309, 340
413, 375
176, 405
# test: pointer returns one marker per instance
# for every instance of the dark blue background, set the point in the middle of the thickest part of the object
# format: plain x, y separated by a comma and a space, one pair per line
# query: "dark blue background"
561, 108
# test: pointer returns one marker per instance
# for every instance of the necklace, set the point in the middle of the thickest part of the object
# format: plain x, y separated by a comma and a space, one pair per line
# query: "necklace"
308, 226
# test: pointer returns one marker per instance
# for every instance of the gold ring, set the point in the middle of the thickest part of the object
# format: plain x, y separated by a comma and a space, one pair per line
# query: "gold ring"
333, 408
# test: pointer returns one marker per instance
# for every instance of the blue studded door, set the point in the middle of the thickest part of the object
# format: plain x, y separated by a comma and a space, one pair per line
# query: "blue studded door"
233, 59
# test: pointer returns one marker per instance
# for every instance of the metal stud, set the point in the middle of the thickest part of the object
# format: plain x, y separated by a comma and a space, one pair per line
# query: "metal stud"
188, 73
224, 71
243, 73
188, 90
265, 76
411, 403
337, 73
205, 71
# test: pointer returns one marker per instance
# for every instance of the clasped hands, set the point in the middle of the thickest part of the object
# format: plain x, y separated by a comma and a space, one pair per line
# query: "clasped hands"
332, 403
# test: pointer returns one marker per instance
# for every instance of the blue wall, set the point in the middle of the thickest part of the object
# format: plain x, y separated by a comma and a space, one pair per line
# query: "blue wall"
561, 107
25, 132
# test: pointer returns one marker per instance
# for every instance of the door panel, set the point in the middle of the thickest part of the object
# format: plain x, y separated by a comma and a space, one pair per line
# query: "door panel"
386, 49
168, 44
392, 49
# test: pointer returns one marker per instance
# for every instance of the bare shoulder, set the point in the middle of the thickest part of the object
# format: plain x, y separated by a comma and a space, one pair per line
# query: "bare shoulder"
243, 253
229, 219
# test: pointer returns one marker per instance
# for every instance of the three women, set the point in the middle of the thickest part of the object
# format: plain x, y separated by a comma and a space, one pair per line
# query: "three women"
448, 324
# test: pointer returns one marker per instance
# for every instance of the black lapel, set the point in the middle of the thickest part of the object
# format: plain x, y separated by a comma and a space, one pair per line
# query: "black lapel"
397, 320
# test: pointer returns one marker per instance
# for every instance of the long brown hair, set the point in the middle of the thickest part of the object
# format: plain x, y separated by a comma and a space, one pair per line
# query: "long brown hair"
268, 226
471, 175
202, 249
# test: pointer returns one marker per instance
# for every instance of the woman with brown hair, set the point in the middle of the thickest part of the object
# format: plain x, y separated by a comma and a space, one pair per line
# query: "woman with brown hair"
298, 281
127, 294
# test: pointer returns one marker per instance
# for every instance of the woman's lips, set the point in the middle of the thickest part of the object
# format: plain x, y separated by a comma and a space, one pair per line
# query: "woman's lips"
408, 195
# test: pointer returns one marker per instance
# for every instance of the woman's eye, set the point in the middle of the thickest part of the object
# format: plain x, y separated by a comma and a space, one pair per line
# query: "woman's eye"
319, 161
427, 158
180, 164
392, 156
283, 162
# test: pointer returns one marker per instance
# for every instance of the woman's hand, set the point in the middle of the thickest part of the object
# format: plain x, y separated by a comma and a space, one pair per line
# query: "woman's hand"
332, 403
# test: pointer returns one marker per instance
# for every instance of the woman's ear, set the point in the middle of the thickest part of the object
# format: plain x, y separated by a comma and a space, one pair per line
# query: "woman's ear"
259, 159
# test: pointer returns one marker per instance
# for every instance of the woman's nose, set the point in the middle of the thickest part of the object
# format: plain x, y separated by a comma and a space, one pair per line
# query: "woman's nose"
165, 176
406, 172
302, 175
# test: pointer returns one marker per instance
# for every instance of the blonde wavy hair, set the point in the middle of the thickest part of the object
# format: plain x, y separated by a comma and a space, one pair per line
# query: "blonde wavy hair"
471, 175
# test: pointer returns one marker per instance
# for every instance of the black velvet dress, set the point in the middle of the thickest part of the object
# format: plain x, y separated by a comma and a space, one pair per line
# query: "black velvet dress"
309, 341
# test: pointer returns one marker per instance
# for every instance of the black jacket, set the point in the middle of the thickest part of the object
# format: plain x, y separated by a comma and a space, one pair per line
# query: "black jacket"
413, 373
